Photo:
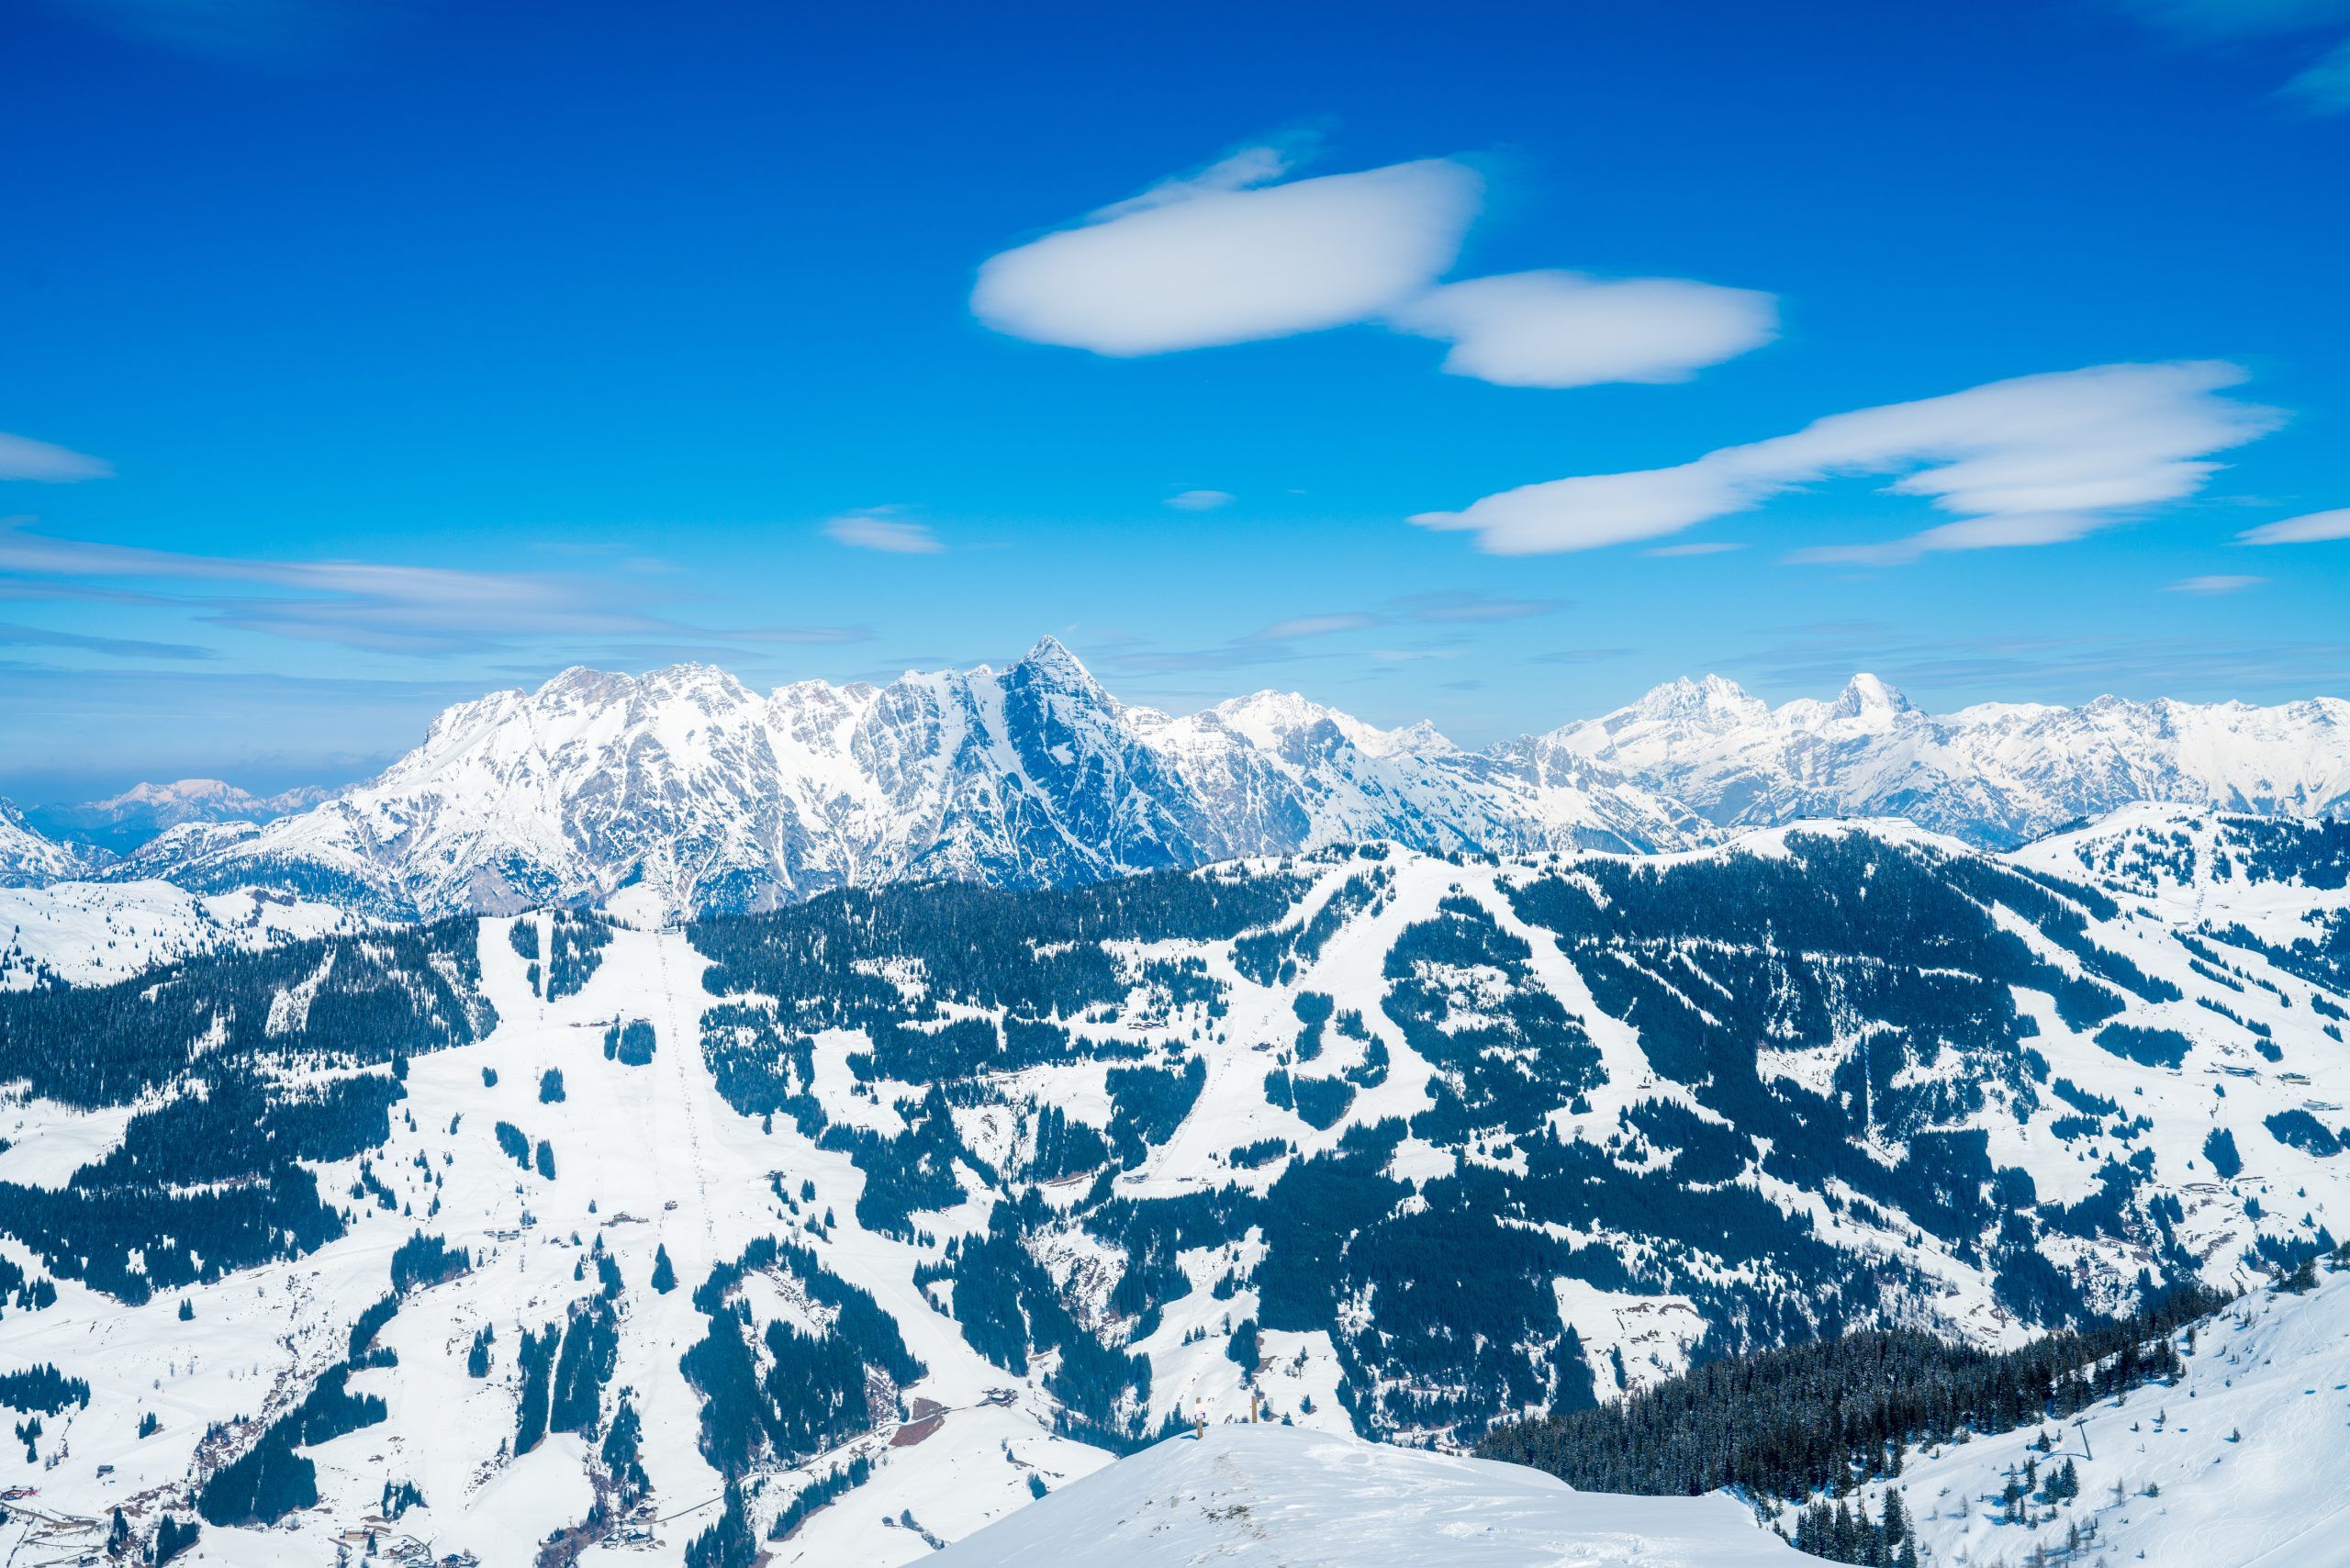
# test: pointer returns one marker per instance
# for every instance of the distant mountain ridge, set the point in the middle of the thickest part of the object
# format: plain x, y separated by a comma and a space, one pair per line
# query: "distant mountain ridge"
121, 823
1996, 774
711, 797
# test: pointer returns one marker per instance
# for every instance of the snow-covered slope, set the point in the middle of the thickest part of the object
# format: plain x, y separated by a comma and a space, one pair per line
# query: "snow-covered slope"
1356, 1137
92, 933
1274, 1494
2238, 1465
1997, 774
28, 857
719, 799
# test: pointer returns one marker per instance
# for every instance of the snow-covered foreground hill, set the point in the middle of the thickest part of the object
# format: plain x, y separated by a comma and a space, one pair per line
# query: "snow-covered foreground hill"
960, 1189
1272, 1494
2238, 1465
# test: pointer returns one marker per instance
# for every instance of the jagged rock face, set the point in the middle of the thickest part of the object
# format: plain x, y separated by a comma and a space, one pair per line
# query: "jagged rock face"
1997, 774
27, 859
715, 798
718, 799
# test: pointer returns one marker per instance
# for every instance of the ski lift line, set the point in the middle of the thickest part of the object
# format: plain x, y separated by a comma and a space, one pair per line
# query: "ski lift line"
696, 1509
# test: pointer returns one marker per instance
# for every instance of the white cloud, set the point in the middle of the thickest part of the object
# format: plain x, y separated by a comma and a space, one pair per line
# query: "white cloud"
883, 529
1200, 500
1315, 626
1240, 253
1227, 257
1704, 547
2324, 88
2032, 461
21, 457
1562, 328
2309, 528
2209, 587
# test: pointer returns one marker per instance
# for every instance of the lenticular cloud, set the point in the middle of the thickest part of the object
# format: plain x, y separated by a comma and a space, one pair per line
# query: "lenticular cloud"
2035, 460
1223, 260
1239, 254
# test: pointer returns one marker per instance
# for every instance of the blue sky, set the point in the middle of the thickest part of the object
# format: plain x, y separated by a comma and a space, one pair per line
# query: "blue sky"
362, 357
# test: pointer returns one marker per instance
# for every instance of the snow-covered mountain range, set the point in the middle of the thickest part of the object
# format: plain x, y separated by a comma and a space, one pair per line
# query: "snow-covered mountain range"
102, 830
718, 798
1997, 774
712, 797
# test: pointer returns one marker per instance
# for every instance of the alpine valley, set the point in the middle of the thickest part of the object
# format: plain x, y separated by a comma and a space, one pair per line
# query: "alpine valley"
656, 1121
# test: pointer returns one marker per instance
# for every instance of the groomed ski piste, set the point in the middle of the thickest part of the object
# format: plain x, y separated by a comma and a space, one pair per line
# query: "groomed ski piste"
665, 1164
1272, 1494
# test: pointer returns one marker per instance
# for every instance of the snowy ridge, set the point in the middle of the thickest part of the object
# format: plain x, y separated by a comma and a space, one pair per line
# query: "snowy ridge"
28, 857
719, 799
1280, 1494
1996, 774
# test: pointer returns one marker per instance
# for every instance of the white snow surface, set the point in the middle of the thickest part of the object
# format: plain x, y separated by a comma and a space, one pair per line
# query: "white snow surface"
666, 1162
1273, 1494
95, 933
2245, 1455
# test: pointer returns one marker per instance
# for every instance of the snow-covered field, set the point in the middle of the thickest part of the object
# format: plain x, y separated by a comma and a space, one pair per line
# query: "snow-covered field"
1281, 1496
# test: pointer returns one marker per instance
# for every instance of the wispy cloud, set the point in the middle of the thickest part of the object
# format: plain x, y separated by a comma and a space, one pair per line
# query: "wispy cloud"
2032, 460
1696, 547
2312, 528
2321, 87
14, 636
1240, 253
1278, 641
360, 604
21, 457
2324, 88
1579, 655
1200, 500
1298, 626
1460, 605
822, 636
2213, 586
251, 32
885, 529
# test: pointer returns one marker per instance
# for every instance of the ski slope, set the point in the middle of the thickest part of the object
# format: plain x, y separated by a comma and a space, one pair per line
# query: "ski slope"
2244, 1457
